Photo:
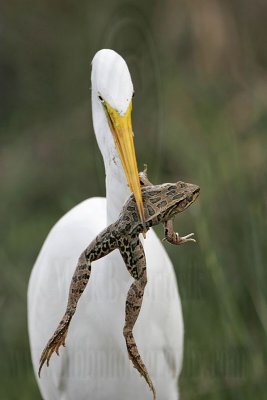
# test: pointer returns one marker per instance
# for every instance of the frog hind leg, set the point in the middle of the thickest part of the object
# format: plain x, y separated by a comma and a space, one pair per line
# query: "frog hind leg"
134, 257
102, 245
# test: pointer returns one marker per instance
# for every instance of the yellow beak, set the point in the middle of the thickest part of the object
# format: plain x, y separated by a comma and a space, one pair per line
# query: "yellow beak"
121, 128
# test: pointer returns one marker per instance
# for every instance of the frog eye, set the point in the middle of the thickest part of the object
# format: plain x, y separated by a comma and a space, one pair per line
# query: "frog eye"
182, 184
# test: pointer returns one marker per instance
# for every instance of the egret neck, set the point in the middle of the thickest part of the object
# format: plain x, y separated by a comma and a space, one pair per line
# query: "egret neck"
112, 93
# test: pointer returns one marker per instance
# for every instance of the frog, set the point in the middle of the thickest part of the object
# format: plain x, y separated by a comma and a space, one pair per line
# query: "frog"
161, 204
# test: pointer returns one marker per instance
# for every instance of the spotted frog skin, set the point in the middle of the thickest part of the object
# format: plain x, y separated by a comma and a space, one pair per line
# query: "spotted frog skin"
161, 204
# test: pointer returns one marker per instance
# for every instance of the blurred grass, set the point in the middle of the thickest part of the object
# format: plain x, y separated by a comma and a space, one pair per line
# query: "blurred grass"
200, 104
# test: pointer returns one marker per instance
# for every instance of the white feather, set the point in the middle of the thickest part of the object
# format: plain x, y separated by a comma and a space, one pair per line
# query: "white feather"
95, 365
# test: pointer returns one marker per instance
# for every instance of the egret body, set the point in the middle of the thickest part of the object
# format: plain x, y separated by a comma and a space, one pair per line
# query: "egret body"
95, 363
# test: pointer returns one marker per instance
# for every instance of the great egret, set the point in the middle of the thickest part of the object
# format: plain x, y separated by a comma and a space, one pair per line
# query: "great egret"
95, 363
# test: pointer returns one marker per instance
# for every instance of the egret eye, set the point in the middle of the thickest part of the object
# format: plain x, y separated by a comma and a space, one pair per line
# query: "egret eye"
101, 99
133, 94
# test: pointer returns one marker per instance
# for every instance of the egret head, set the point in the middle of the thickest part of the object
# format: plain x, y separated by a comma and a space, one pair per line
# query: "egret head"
111, 80
112, 92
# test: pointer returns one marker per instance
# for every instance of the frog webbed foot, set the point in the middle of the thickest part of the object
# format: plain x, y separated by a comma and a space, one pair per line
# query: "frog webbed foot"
57, 340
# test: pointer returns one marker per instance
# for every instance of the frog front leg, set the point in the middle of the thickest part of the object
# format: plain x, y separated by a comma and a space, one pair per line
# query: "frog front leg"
104, 243
173, 237
133, 255
144, 181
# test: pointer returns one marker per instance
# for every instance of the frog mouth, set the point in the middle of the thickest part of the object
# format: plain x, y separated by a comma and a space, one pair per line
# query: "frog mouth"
196, 193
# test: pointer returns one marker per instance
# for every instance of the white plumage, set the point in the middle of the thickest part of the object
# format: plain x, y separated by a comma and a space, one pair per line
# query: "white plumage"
95, 365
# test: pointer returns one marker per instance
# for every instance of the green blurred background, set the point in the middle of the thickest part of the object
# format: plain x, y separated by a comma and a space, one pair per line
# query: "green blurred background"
200, 74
